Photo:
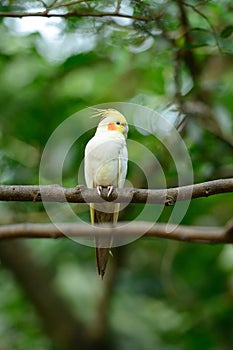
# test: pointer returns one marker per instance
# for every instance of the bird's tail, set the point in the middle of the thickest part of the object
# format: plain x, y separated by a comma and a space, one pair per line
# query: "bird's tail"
103, 244
101, 259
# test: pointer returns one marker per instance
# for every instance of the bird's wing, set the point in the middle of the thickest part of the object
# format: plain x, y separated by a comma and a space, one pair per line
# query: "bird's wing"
122, 166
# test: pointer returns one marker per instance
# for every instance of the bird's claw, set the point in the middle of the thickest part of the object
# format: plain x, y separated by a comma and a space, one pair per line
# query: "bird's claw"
110, 190
99, 190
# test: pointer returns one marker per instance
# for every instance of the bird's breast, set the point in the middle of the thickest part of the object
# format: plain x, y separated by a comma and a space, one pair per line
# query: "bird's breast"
102, 157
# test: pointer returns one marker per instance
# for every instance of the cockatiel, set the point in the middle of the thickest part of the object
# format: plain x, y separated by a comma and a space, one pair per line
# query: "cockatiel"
106, 160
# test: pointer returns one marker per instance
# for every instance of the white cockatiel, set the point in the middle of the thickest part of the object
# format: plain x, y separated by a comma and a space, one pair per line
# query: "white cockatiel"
106, 160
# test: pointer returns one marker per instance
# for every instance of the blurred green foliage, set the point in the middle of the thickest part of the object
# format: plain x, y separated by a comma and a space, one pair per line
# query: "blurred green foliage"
166, 295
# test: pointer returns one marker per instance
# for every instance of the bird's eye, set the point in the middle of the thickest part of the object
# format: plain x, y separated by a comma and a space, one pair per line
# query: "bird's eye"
118, 123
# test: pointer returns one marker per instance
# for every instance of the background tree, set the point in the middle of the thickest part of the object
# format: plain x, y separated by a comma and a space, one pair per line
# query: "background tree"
173, 56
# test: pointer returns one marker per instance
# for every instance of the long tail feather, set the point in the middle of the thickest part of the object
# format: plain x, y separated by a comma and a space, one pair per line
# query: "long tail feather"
103, 245
101, 260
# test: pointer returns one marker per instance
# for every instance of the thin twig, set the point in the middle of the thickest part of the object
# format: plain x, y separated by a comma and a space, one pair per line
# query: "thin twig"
188, 55
68, 3
118, 6
53, 3
44, 4
72, 14
213, 30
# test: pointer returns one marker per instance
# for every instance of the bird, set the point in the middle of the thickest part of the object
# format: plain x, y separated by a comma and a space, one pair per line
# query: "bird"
105, 167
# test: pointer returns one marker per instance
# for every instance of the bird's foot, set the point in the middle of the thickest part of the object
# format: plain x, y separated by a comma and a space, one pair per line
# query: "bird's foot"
99, 190
110, 190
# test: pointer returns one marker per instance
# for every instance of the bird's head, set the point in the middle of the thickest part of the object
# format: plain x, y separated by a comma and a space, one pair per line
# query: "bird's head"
112, 120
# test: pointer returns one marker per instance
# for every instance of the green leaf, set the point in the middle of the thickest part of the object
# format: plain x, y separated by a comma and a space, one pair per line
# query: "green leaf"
227, 31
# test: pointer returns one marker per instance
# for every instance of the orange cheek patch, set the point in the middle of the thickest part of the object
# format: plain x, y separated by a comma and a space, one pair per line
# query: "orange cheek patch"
111, 126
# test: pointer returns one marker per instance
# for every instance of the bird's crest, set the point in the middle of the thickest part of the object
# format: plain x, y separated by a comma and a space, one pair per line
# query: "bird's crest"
103, 113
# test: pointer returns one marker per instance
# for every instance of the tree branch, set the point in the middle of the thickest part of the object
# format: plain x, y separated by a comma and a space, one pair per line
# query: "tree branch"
69, 14
81, 194
195, 234
213, 30
188, 55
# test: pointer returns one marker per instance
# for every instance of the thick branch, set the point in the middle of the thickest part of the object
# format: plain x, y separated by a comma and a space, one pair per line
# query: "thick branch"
81, 194
196, 234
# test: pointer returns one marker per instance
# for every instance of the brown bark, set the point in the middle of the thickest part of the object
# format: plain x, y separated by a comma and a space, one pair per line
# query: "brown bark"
81, 194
